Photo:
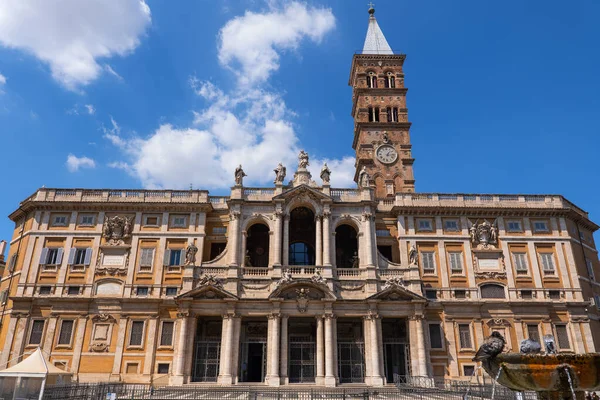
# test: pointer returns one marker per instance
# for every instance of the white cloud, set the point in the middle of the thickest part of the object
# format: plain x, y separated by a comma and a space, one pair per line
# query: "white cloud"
2, 79
90, 109
249, 125
71, 36
251, 44
74, 163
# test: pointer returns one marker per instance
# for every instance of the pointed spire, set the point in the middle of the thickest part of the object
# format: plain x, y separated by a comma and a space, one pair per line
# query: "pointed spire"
375, 42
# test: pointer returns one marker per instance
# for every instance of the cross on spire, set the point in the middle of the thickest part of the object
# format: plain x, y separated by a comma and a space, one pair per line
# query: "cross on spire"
371, 5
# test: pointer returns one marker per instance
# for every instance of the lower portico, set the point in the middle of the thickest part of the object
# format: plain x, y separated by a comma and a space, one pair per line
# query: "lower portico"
300, 335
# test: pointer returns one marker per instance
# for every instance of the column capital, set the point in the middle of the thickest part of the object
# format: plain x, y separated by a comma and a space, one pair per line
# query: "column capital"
329, 316
417, 317
230, 315
274, 316
371, 316
326, 214
183, 314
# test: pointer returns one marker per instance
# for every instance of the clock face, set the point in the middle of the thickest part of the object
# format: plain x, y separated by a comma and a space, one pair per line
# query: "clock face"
386, 154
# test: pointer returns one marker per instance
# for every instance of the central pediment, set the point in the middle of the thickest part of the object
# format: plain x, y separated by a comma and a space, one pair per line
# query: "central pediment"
302, 190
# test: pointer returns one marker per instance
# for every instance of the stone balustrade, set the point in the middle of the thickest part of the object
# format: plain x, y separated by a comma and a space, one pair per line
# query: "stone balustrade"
119, 196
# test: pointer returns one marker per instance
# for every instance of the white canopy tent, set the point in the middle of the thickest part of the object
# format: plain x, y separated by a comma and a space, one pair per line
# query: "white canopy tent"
27, 379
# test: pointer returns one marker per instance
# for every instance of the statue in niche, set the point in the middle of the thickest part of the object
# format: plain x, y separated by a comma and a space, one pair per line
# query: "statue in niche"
239, 175
190, 254
117, 229
364, 178
303, 160
413, 256
385, 138
279, 174
325, 173
355, 260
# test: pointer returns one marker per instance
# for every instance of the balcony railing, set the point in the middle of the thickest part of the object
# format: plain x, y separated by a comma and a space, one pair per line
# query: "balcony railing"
120, 196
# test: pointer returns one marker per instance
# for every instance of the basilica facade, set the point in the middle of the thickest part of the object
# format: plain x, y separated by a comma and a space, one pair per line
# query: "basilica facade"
299, 282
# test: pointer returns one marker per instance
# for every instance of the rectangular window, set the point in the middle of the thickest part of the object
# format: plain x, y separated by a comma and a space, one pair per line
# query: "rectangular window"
383, 233
66, 332
464, 331
216, 249
527, 294
174, 257
590, 270
514, 226
51, 258
468, 370
60, 220
562, 337
45, 290
520, 260
389, 114
395, 114
428, 258
456, 262
162, 368
554, 294
171, 291
12, 262
37, 330
435, 336
151, 220
146, 259
219, 230
424, 225
166, 335
431, 294
540, 226
80, 257
451, 225
137, 333
86, 220
547, 260
141, 291
73, 290
460, 294
3, 296
533, 332
179, 221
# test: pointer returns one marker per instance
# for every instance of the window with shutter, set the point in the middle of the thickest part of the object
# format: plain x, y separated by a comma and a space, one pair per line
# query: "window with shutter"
136, 334
562, 337
428, 260
464, 331
435, 336
590, 269
146, 259
66, 332
78, 260
456, 262
37, 330
533, 332
547, 260
12, 262
520, 260
166, 335
3, 296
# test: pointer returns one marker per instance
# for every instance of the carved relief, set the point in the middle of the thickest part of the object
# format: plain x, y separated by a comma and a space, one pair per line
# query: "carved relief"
484, 235
394, 281
302, 299
117, 229
209, 280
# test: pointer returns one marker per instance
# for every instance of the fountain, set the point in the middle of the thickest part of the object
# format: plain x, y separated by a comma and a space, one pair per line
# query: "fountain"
552, 376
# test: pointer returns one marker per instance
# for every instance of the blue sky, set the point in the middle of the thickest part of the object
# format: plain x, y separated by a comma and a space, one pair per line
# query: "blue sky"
502, 95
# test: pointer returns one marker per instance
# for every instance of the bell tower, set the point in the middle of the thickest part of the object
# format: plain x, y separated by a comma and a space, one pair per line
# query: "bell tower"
381, 127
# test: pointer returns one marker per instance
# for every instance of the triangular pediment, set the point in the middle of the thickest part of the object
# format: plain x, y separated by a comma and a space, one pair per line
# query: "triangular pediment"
207, 292
396, 293
299, 288
302, 190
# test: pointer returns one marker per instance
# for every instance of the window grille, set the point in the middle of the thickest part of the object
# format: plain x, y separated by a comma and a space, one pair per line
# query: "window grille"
435, 336
137, 333
562, 336
464, 331
66, 332
166, 336
37, 329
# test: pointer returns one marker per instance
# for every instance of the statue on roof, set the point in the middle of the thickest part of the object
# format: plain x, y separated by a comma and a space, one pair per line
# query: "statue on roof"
302, 160
325, 173
279, 174
239, 175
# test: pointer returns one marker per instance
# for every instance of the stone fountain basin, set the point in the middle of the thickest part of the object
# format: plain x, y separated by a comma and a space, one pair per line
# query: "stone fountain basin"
540, 372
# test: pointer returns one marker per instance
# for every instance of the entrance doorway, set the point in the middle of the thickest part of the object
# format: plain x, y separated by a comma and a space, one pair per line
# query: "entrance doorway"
207, 350
302, 346
395, 348
253, 361
351, 351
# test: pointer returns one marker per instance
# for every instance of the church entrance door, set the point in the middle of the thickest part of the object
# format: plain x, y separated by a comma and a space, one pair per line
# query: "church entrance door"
302, 350
395, 356
207, 350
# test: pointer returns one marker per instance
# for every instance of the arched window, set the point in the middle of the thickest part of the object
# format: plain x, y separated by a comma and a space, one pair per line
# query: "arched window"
301, 254
257, 246
346, 247
390, 80
371, 80
492, 291
373, 114
392, 114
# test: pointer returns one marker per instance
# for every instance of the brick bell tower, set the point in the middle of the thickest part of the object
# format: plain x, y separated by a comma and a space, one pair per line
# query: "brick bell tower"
381, 127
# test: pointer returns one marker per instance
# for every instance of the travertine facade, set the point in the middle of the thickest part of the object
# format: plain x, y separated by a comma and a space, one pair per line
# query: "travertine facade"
298, 282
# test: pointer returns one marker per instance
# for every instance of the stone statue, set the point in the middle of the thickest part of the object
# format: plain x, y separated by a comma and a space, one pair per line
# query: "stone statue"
325, 173
364, 178
394, 281
247, 260
286, 277
190, 254
318, 278
239, 175
413, 255
385, 138
116, 229
355, 260
473, 232
279, 174
302, 160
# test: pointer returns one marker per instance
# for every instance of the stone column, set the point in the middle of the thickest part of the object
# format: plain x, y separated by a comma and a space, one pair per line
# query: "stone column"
320, 373
226, 344
451, 343
368, 237
182, 348
283, 369
330, 342
78, 346
277, 247
326, 239
234, 218
587, 334
417, 345
116, 370
376, 378
49, 336
150, 347
286, 240
235, 348
319, 243
273, 356
8, 341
